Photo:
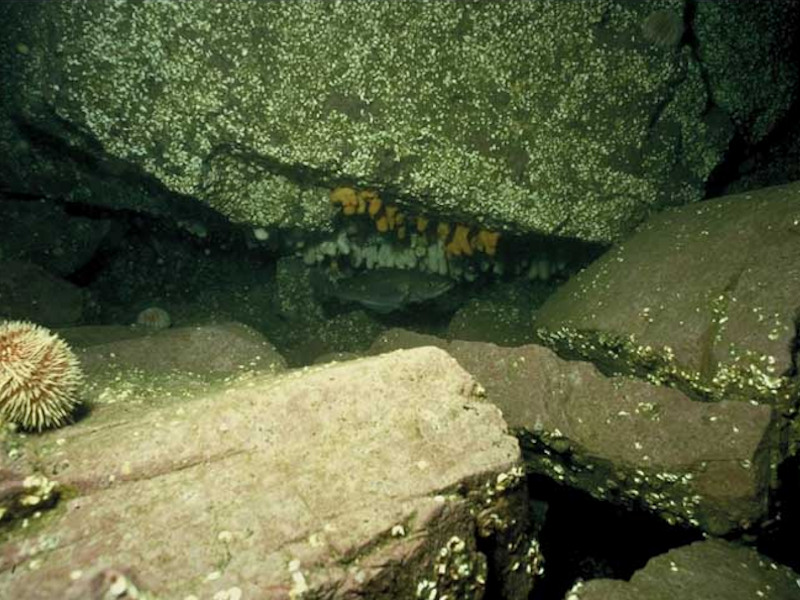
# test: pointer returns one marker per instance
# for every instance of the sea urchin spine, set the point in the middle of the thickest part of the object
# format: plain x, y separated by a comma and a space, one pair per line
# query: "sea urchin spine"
39, 376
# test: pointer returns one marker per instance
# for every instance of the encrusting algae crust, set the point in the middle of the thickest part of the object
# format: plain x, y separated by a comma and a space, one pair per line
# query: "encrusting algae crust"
460, 240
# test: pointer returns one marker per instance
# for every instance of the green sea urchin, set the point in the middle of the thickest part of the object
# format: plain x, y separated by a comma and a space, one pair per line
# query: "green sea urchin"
39, 376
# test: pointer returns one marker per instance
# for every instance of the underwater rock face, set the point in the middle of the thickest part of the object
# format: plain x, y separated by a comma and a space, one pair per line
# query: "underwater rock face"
734, 65
707, 570
503, 315
705, 296
215, 349
708, 465
304, 330
572, 118
350, 480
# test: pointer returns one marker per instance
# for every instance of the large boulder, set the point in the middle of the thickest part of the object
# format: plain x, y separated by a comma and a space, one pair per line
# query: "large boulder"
377, 478
705, 297
707, 465
568, 118
210, 349
708, 570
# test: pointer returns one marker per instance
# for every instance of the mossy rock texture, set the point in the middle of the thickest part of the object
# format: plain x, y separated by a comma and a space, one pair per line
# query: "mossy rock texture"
567, 118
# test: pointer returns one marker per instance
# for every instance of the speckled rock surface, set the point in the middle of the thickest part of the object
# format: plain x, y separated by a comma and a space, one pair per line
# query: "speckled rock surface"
23, 490
573, 118
749, 93
708, 570
305, 330
210, 349
353, 479
709, 465
83, 336
348, 332
704, 296
503, 314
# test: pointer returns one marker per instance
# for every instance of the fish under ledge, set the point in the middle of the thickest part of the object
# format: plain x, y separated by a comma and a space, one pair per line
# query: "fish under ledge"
384, 290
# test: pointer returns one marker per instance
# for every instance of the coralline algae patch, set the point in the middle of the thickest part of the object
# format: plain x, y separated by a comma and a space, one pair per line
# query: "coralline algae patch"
377, 234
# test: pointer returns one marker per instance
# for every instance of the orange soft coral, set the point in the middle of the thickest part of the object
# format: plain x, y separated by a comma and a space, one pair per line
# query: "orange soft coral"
347, 197
486, 241
459, 244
